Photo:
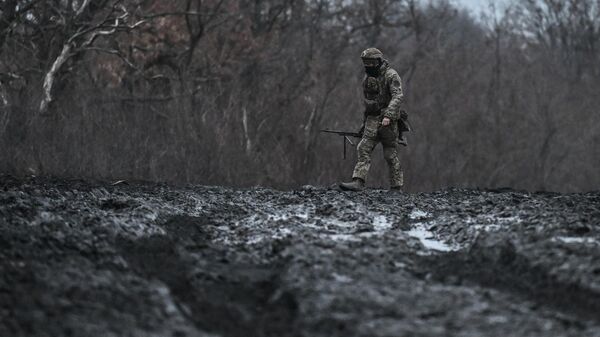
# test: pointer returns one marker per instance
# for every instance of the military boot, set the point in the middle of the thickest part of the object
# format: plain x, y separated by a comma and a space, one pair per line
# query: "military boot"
397, 189
357, 184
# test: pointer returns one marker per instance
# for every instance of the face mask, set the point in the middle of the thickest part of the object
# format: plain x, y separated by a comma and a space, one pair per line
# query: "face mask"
372, 67
372, 71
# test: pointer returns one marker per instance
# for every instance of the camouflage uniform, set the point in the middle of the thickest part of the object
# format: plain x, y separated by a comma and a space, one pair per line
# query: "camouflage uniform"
383, 98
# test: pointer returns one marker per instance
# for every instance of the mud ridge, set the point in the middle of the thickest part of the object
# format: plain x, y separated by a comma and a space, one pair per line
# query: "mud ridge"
226, 298
499, 264
85, 258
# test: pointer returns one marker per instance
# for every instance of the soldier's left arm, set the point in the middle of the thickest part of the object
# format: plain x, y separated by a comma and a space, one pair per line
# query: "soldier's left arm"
395, 86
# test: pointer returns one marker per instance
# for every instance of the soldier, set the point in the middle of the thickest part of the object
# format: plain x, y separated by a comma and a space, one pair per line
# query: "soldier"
384, 120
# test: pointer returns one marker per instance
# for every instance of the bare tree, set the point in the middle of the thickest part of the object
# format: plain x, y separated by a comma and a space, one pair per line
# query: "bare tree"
82, 33
234, 92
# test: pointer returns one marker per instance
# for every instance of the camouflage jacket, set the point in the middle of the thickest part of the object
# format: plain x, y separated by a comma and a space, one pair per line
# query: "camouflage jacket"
383, 94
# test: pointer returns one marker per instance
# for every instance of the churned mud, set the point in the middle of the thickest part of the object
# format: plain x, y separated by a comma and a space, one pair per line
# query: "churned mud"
91, 259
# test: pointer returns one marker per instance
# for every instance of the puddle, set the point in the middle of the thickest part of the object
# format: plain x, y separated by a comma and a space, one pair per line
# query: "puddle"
380, 223
428, 239
573, 239
418, 214
342, 237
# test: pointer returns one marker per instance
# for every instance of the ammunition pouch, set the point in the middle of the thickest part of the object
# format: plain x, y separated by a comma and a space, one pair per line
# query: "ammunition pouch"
371, 90
403, 124
372, 107
403, 114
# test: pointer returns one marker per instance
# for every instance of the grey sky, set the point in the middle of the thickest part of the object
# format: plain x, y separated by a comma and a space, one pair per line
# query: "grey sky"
474, 5
477, 5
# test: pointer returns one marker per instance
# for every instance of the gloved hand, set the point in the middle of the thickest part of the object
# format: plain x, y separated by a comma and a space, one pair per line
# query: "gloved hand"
403, 115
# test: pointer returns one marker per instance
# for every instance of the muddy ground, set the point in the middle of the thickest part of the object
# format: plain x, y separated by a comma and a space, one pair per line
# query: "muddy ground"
91, 259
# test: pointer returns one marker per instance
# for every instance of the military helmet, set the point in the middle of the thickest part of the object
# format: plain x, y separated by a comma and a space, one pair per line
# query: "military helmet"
371, 53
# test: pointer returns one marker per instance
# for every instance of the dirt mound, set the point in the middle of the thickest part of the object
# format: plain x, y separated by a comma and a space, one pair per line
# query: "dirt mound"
87, 258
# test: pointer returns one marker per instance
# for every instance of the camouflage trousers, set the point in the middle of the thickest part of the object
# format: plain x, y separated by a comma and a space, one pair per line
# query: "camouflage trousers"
374, 133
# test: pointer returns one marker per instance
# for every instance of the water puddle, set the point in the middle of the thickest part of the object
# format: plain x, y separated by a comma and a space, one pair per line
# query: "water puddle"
418, 214
380, 223
342, 237
428, 240
573, 239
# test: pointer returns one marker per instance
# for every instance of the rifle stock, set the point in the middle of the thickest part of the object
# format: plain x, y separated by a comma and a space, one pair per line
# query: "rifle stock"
345, 135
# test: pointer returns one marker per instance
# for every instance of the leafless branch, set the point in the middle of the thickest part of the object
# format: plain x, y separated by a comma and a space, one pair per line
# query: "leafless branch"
51, 76
113, 52
82, 8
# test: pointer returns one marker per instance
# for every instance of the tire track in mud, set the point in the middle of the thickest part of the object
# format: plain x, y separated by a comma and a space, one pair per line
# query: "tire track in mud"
218, 295
207, 261
497, 263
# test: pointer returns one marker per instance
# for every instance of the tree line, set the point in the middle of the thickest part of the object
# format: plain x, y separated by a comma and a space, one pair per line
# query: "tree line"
234, 92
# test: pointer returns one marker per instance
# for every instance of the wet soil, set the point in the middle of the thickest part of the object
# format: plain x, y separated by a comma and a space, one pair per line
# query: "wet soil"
85, 258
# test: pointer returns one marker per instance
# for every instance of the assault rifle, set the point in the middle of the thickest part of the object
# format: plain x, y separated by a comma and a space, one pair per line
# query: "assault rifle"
345, 136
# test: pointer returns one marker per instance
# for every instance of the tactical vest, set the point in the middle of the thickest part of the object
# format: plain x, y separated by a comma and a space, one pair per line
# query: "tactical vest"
378, 96
376, 92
